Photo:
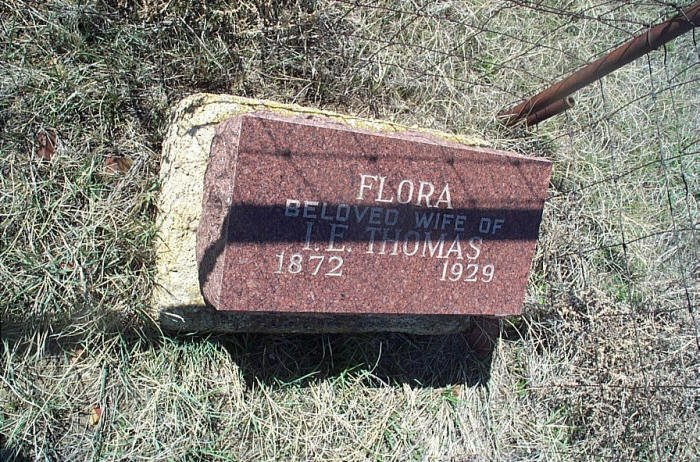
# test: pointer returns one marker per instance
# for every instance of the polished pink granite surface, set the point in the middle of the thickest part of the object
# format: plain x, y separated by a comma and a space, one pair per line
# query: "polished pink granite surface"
308, 216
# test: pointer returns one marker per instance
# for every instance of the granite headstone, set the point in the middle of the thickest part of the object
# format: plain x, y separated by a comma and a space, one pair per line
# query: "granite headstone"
302, 215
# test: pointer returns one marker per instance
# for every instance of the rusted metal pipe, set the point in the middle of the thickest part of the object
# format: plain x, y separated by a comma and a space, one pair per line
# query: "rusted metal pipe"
622, 55
550, 111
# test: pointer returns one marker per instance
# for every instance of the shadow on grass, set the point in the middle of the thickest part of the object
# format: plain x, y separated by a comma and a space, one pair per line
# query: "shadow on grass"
11, 454
385, 358
280, 360
279, 349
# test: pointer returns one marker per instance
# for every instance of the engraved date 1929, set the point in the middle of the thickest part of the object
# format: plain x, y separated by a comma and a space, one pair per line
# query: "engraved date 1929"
471, 272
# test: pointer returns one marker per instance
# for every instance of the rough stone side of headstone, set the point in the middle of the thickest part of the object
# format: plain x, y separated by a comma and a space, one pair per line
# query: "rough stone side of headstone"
177, 302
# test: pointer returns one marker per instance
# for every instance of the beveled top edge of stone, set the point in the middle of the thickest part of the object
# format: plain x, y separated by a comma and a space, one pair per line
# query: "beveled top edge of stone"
408, 134
194, 106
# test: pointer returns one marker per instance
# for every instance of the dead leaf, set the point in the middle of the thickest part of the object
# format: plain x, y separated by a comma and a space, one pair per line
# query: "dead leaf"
77, 354
94, 417
46, 144
117, 164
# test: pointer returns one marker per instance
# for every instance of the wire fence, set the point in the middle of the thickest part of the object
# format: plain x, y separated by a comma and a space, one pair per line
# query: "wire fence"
636, 131
617, 270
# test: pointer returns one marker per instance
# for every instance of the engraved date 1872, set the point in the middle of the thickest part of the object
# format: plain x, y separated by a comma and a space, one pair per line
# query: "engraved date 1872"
312, 264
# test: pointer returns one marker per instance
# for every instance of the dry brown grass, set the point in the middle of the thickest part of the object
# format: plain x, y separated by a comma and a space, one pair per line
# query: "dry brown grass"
602, 366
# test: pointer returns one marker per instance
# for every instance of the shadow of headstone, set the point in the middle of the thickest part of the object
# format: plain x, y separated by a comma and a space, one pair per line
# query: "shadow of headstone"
382, 358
